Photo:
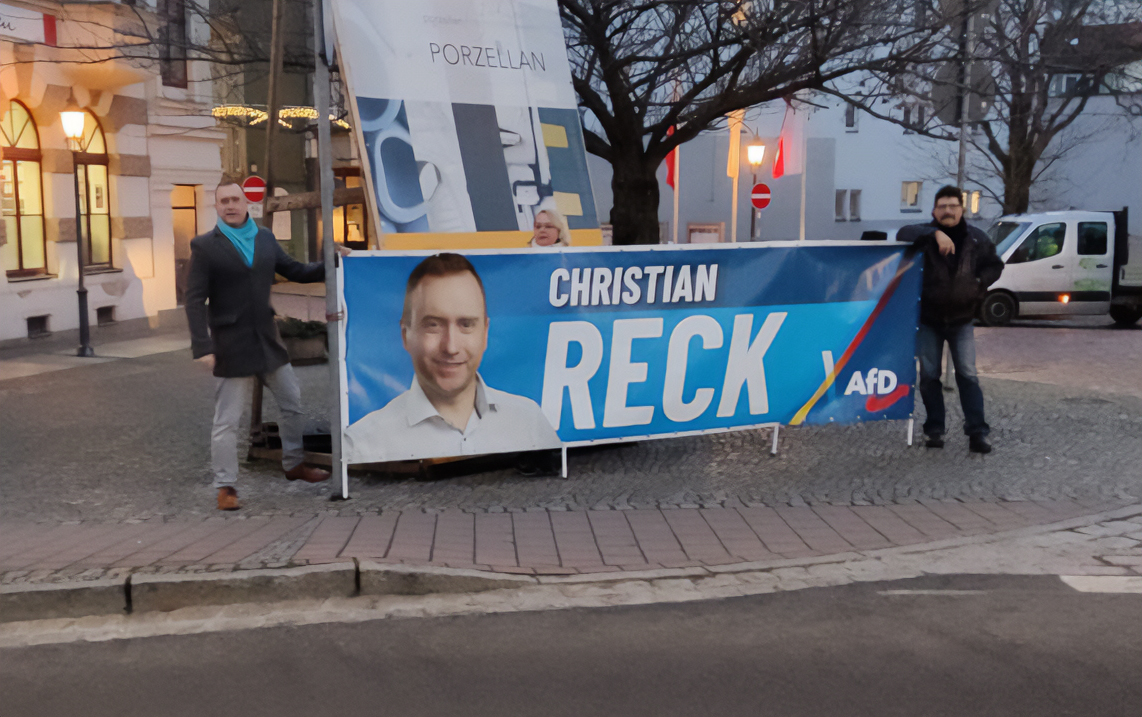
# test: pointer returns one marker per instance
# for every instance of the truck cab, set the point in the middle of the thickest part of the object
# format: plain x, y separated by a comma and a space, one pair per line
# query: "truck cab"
1062, 264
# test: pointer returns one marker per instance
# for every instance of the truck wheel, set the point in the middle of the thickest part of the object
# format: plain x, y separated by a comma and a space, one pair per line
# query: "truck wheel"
998, 309
1125, 315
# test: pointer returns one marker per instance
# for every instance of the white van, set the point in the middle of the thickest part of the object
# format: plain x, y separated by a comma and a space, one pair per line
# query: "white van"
1061, 264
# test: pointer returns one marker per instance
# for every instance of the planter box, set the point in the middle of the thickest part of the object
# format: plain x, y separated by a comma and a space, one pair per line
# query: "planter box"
306, 351
306, 341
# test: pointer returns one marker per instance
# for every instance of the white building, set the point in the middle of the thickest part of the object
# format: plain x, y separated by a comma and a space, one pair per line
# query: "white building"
148, 164
866, 174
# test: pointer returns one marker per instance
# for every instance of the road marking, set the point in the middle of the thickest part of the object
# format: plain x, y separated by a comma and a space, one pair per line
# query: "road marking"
931, 592
1104, 583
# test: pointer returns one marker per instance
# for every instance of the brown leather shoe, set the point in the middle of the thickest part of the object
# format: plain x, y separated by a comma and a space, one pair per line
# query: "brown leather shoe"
309, 474
228, 499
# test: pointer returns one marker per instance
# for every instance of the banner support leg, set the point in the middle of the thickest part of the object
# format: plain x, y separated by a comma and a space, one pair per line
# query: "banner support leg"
915, 392
773, 448
563, 450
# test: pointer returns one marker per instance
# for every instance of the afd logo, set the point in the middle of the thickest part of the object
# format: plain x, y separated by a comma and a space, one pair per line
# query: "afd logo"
881, 387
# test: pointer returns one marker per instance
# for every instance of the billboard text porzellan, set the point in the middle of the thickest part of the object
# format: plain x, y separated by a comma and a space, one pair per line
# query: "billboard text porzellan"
467, 120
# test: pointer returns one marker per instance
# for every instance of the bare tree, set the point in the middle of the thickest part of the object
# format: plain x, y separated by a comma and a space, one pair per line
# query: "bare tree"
1037, 65
641, 67
1049, 61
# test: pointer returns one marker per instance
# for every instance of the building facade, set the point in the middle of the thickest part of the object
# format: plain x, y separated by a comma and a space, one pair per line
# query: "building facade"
146, 166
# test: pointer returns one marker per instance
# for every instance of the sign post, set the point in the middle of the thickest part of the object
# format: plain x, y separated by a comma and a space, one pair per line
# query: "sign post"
759, 197
254, 187
328, 251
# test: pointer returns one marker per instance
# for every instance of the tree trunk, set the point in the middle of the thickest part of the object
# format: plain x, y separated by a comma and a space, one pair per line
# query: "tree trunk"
1017, 178
634, 215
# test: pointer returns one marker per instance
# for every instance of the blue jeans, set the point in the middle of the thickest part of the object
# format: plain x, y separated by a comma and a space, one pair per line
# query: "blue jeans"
929, 349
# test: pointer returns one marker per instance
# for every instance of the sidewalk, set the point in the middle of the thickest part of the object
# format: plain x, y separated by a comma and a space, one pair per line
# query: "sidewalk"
136, 339
83, 582
535, 542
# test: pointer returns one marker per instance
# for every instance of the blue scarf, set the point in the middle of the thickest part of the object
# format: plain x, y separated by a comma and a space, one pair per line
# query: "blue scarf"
241, 237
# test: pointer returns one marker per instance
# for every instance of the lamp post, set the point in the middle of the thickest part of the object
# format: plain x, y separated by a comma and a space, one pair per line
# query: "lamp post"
755, 153
73, 121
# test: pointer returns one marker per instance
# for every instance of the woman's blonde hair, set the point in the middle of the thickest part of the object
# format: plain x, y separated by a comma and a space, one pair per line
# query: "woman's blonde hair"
560, 222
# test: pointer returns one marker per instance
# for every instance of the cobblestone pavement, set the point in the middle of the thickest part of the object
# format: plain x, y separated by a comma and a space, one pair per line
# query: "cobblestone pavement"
1085, 354
129, 439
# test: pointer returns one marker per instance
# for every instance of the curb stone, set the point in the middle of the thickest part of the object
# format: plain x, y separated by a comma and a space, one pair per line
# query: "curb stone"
171, 592
656, 574
378, 579
76, 599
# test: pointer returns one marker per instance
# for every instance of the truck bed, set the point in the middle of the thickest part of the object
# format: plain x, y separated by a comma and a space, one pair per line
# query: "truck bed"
1132, 272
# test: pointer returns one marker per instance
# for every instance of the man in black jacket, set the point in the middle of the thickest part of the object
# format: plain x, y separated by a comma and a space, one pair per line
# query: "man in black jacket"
233, 267
960, 263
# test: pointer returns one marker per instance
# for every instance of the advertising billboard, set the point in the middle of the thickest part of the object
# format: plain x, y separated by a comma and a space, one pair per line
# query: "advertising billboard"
467, 120
501, 351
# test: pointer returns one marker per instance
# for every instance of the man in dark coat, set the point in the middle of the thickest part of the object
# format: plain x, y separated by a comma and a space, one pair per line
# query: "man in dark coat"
233, 332
960, 263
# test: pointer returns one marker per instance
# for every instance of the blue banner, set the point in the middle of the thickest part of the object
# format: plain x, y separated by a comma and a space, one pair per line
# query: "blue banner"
614, 344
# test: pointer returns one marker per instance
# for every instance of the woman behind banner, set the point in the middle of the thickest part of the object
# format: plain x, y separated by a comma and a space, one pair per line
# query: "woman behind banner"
550, 230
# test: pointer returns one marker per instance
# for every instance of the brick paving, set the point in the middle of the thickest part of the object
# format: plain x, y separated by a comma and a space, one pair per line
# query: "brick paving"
529, 542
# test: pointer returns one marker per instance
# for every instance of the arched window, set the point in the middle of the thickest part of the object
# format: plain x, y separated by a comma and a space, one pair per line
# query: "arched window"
21, 194
94, 193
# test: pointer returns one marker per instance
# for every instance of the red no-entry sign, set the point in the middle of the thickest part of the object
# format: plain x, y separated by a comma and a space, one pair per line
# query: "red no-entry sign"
255, 188
760, 196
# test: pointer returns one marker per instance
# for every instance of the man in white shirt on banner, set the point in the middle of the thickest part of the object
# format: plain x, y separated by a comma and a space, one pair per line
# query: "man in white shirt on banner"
449, 410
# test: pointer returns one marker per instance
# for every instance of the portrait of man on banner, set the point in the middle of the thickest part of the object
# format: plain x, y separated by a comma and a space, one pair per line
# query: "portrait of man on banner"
448, 410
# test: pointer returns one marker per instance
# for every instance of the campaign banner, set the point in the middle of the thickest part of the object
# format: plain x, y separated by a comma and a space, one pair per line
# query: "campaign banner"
448, 355
467, 119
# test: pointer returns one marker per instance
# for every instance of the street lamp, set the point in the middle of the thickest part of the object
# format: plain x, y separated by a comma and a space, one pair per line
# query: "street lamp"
755, 153
73, 120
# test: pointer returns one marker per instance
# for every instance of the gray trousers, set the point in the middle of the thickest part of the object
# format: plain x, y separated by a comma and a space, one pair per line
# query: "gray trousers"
231, 396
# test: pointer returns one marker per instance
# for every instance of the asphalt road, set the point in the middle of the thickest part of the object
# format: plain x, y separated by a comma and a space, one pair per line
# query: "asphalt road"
934, 646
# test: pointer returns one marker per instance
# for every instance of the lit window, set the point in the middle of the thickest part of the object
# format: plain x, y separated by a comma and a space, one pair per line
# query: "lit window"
350, 223
94, 194
970, 202
21, 194
184, 221
910, 196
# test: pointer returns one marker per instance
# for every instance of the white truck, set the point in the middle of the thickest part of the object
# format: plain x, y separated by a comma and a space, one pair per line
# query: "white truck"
1061, 264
